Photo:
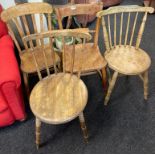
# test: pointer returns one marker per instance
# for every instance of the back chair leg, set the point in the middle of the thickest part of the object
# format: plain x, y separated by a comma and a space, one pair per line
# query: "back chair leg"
38, 127
111, 86
83, 127
25, 76
104, 78
108, 74
146, 85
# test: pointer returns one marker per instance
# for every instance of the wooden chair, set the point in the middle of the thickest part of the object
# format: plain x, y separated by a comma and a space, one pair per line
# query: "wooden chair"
60, 97
27, 19
95, 61
122, 54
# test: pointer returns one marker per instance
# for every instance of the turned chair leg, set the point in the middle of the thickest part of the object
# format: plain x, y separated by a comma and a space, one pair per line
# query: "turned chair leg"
145, 85
25, 76
38, 127
83, 127
104, 78
111, 86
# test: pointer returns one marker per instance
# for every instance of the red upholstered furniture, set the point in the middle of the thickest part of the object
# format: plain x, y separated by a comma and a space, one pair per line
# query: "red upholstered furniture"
11, 101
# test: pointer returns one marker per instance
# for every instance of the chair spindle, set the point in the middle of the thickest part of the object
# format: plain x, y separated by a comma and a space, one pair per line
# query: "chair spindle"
23, 18
109, 28
14, 38
15, 21
121, 27
127, 29
35, 27
115, 29
41, 23
133, 29
73, 56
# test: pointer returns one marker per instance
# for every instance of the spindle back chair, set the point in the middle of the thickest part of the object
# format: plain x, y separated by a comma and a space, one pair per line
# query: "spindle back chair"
23, 20
60, 97
123, 53
92, 53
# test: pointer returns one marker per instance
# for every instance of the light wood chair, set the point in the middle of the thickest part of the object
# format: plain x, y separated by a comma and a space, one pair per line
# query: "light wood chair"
91, 58
122, 54
60, 97
25, 19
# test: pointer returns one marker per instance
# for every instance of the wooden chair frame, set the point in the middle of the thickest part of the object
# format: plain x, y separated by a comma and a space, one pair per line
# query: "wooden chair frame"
78, 111
84, 9
18, 16
111, 45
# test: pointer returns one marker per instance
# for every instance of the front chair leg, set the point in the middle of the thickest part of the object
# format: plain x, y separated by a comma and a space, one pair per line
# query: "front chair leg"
111, 86
145, 85
38, 126
83, 127
104, 78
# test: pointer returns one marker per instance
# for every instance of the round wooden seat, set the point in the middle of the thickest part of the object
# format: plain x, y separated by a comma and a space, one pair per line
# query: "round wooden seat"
59, 98
127, 60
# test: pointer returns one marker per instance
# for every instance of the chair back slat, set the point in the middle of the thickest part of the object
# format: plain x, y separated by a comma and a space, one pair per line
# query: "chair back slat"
50, 27
64, 55
45, 60
109, 29
27, 30
73, 56
51, 35
20, 30
115, 29
133, 29
41, 23
14, 38
53, 54
127, 29
35, 27
121, 28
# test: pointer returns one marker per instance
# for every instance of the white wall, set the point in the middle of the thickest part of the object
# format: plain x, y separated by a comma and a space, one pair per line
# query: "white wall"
7, 3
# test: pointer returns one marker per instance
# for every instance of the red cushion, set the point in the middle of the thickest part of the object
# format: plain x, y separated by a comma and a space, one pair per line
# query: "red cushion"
9, 70
6, 118
3, 105
3, 27
14, 99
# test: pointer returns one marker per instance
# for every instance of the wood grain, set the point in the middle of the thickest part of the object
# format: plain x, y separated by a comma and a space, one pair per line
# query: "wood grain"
59, 98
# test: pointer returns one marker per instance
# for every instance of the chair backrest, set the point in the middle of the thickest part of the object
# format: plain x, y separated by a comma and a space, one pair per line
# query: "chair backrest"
126, 20
79, 9
51, 36
19, 16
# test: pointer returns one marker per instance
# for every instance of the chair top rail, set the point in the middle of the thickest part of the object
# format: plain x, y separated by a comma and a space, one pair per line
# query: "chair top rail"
125, 8
81, 33
26, 9
78, 9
